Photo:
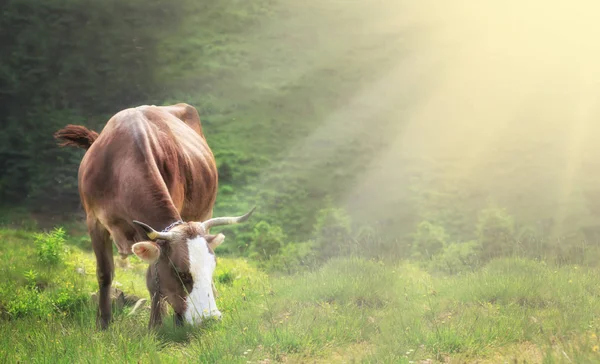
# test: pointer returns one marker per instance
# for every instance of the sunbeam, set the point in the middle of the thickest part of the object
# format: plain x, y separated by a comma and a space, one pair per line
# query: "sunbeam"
511, 76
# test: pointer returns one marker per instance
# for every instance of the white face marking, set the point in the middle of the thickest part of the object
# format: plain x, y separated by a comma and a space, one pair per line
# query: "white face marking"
201, 300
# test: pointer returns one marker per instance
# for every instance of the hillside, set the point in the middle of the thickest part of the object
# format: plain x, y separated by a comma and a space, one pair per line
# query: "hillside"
401, 113
297, 98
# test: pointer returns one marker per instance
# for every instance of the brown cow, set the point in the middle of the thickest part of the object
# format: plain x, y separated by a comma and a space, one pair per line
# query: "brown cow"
151, 168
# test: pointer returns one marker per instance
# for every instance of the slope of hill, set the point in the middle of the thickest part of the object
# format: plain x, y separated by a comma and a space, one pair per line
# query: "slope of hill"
400, 112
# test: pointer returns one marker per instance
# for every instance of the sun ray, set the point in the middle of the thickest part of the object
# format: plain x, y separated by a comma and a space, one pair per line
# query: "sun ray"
505, 87
576, 139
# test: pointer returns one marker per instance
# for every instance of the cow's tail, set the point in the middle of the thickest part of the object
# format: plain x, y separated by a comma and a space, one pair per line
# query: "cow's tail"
76, 136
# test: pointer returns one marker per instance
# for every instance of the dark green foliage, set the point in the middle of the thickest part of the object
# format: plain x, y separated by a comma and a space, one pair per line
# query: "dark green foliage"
68, 54
237, 168
69, 61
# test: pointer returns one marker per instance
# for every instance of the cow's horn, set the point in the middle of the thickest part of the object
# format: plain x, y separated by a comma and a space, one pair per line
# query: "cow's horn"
153, 234
227, 220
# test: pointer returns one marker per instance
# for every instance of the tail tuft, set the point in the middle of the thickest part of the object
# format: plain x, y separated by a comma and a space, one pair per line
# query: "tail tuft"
76, 136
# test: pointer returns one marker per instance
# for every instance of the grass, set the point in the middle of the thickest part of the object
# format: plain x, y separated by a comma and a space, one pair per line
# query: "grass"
348, 310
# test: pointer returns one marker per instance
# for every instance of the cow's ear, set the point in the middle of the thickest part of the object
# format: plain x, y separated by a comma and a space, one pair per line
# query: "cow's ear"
214, 240
147, 251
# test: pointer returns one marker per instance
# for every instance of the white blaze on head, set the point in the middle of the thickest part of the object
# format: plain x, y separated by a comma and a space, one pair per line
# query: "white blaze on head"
201, 300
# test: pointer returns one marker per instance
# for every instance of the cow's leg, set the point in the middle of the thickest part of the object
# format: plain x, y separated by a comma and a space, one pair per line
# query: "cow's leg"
104, 269
156, 304
156, 310
123, 243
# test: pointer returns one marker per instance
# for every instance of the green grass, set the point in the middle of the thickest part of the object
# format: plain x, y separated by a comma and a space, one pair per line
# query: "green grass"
348, 309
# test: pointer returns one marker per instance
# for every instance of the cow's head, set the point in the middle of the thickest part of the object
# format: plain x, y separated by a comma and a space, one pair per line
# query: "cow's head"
182, 265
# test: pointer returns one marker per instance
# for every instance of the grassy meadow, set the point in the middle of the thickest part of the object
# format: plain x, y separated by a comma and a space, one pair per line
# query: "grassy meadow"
349, 309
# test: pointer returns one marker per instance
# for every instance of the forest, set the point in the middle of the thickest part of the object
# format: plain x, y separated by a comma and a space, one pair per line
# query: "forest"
435, 159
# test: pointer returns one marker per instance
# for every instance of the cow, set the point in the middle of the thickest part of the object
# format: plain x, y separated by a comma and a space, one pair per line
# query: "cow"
149, 180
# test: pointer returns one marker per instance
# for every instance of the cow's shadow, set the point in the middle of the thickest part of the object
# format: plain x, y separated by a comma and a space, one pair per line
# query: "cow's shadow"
169, 333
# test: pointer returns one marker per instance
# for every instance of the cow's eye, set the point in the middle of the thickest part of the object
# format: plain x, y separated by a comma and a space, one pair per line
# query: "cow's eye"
185, 277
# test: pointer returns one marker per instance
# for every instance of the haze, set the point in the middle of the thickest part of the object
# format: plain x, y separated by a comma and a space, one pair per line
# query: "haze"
504, 106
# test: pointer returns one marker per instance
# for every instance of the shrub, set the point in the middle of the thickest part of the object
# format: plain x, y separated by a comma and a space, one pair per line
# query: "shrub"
225, 277
31, 277
267, 240
456, 258
50, 246
28, 303
293, 257
429, 240
35, 303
